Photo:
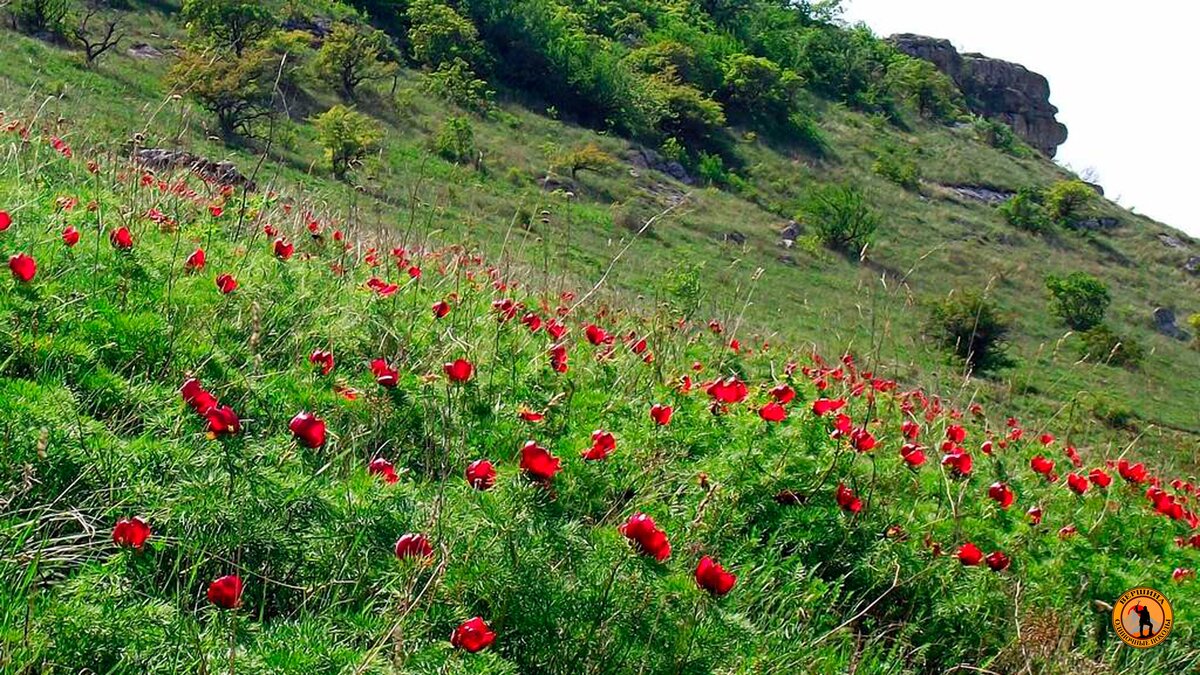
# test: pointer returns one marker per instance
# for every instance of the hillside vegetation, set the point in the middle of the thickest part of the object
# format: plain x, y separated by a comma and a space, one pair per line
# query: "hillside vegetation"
926, 431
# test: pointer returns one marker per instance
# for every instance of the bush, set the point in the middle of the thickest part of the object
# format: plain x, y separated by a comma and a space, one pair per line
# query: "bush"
1102, 345
456, 83
352, 55
1066, 201
1025, 210
238, 90
1194, 322
440, 35
41, 16
711, 169
588, 157
347, 136
920, 85
1113, 413
998, 135
1079, 299
840, 217
455, 141
230, 24
896, 164
972, 327
757, 91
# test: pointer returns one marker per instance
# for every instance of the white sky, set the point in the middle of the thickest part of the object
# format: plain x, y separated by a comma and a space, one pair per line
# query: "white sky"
1122, 75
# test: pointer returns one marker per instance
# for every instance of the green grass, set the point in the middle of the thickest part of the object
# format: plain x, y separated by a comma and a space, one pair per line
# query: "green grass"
95, 349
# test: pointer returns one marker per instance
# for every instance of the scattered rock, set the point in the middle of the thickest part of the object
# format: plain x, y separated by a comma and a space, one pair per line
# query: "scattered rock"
1095, 224
1097, 187
645, 158
161, 159
1164, 322
735, 237
1192, 265
789, 235
998, 90
980, 193
1170, 241
141, 50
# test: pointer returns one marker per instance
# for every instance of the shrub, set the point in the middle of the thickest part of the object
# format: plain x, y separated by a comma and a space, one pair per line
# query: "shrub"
347, 136
1025, 210
973, 328
455, 141
1067, 200
352, 55
1113, 413
1102, 345
588, 157
1194, 322
1079, 299
896, 164
440, 35
711, 169
840, 217
924, 88
998, 135
456, 83
679, 111
238, 90
757, 91
41, 16
232, 24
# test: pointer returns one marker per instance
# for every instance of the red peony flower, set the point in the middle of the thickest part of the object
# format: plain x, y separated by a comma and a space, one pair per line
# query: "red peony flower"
956, 434
308, 429
661, 414
650, 540
998, 561
862, 440
1035, 515
226, 283
121, 238
729, 390
538, 463
385, 375
558, 358
195, 261
596, 335
472, 635
283, 248
196, 397
1077, 483
222, 421
1046, 439
713, 578
1002, 494
1041, 465
384, 469
773, 412
1099, 478
226, 592
910, 430
5, 221
1134, 473
413, 546
783, 394
969, 555
23, 267
1067, 531
131, 533
824, 406
481, 474
460, 370
847, 500
912, 454
440, 309
323, 360
603, 445
70, 236
958, 461
1182, 574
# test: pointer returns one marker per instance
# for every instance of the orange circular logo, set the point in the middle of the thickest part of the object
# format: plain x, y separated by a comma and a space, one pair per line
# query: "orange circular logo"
1142, 617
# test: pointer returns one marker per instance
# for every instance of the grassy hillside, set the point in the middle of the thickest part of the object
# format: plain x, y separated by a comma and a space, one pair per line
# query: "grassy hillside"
99, 342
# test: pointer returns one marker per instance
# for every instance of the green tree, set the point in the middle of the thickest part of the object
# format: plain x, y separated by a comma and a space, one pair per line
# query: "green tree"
923, 87
1025, 210
438, 35
239, 91
587, 157
1079, 299
758, 91
41, 16
970, 325
840, 217
352, 55
347, 136
1101, 344
232, 24
455, 141
1067, 200
455, 82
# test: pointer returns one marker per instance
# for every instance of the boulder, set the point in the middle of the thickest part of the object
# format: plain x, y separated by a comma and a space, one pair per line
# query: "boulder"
1170, 241
141, 50
979, 193
162, 159
735, 237
995, 89
645, 158
1164, 322
1192, 265
789, 234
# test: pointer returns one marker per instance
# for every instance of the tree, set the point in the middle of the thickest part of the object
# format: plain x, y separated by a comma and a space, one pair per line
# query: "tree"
972, 327
41, 16
1079, 299
239, 91
587, 157
232, 24
438, 35
1067, 199
96, 44
923, 87
758, 91
840, 217
347, 136
352, 55
455, 141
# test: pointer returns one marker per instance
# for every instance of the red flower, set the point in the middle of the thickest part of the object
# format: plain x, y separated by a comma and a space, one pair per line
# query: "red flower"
603, 445
729, 390
650, 540
661, 414
131, 532
194, 394
1041, 465
998, 561
986, 448
23, 267
121, 238
460, 370
472, 635
222, 421
958, 461
555, 329
323, 360
969, 555
226, 592
481, 474
1035, 515
1182, 573
912, 454
1067, 531
538, 463
558, 358
385, 375
195, 261
1077, 483
5, 221
413, 546
226, 283
910, 430
862, 440
596, 335
441, 308
1002, 494
70, 236
283, 248
773, 412
383, 468
956, 434
531, 416
783, 394
308, 429
1134, 473
1046, 439
713, 578
847, 500
1099, 478
823, 406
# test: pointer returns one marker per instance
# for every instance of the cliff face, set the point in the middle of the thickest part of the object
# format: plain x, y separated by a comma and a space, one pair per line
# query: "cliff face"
999, 90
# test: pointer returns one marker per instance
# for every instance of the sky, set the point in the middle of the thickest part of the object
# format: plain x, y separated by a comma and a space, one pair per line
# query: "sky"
1122, 75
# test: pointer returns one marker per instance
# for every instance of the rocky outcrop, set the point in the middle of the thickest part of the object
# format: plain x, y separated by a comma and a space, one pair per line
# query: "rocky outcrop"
1164, 322
995, 89
222, 173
